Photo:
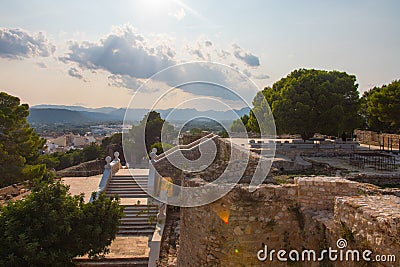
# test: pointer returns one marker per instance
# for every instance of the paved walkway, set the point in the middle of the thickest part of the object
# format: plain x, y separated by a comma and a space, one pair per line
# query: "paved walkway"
127, 247
85, 185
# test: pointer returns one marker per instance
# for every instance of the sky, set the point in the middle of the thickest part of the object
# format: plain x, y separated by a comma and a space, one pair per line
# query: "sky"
100, 53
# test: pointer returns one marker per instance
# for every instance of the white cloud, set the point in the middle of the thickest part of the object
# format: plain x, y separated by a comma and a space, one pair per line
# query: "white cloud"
18, 44
122, 52
179, 14
130, 59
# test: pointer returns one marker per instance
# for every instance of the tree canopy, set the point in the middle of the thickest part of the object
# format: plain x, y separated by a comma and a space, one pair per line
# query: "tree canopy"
140, 138
237, 125
308, 101
19, 144
50, 227
381, 107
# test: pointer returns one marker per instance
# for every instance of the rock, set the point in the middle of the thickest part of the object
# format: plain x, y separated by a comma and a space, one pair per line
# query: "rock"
248, 230
237, 231
210, 257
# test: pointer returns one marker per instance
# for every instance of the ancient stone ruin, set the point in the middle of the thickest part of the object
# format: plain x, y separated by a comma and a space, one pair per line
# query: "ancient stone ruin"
310, 213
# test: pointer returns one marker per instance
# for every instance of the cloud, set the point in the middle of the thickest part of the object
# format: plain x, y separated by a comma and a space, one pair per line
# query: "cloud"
74, 72
122, 52
130, 61
208, 43
125, 81
197, 53
223, 54
41, 65
19, 44
247, 72
261, 76
248, 58
179, 14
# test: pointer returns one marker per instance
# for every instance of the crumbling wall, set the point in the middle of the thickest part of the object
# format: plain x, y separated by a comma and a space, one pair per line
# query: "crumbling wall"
313, 214
370, 222
319, 193
373, 138
230, 231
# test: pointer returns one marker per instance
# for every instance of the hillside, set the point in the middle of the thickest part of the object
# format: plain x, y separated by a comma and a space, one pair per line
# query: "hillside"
51, 114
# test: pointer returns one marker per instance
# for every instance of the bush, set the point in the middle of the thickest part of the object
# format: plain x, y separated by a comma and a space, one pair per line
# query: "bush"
50, 227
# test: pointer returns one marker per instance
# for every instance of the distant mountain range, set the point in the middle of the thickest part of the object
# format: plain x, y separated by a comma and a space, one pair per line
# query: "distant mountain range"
51, 114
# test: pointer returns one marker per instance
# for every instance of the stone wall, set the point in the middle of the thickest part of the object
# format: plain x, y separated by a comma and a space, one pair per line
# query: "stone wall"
373, 138
319, 193
230, 231
304, 215
90, 168
371, 222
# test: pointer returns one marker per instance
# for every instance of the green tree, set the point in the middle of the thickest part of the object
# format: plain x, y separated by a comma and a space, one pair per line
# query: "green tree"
308, 101
62, 160
196, 131
115, 139
237, 125
149, 130
50, 227
91, 152
381, 106
19, 144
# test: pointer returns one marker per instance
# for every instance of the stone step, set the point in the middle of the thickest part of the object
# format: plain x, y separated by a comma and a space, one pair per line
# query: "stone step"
138, 189
126, 189
126, 183
127, 177
141, 206
138, 219
133, 221
116, 262
140, 214
140, 211
143, 221
127, 195
135, 232
126, 186
137, 228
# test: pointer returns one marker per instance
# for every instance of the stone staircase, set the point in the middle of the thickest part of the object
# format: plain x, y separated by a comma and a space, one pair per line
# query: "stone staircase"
127, 187
131, 246
139, 220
